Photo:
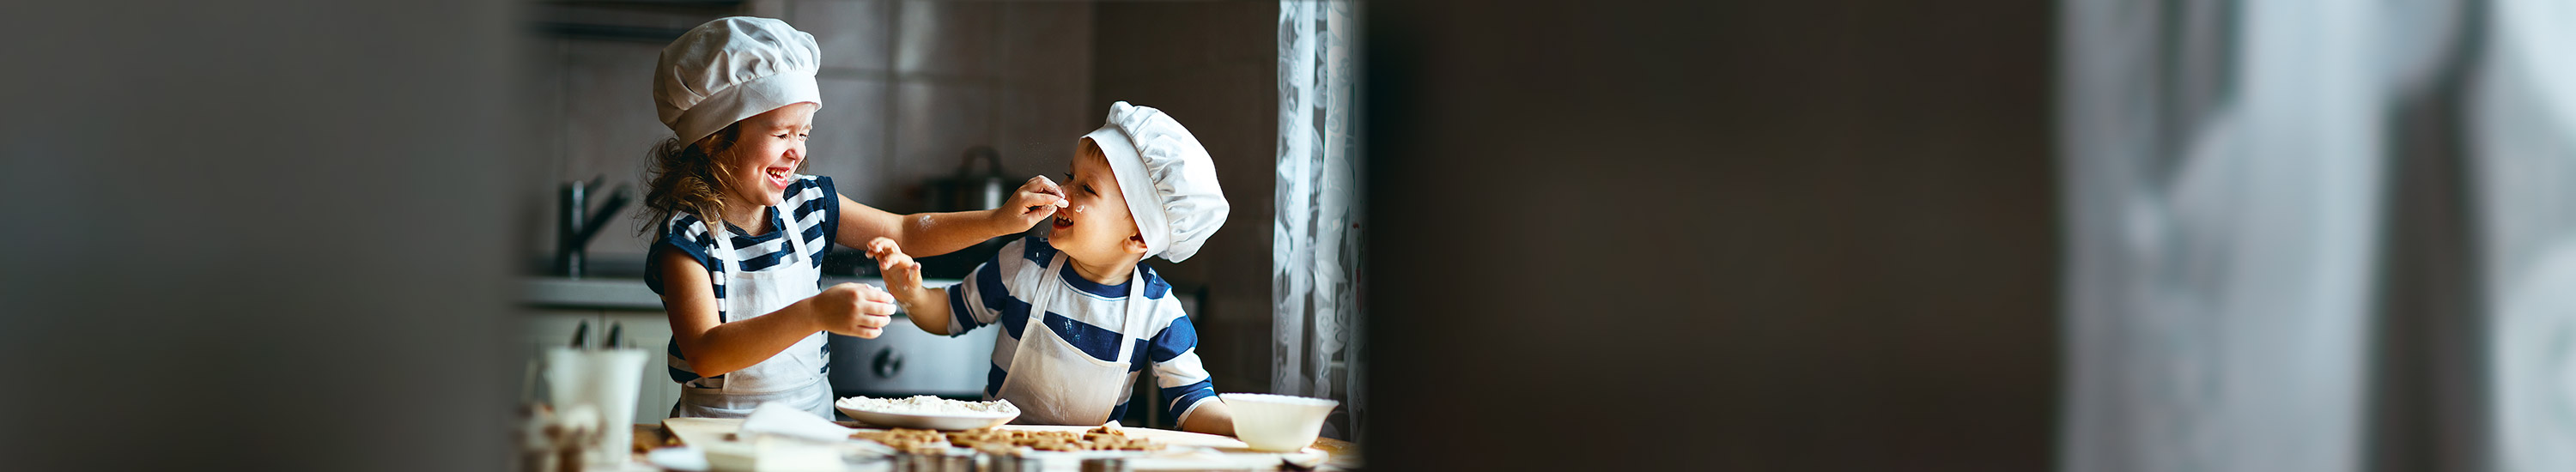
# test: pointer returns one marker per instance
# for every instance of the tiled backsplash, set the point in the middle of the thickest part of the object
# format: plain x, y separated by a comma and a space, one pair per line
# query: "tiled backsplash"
907, 87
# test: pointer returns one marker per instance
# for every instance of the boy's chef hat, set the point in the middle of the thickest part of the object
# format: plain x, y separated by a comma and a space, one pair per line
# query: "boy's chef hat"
1168, 179
732, 68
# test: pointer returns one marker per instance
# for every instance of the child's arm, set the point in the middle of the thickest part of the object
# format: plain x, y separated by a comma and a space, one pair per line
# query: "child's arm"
1188, 391
928, 307
1211, 418
714, 347
932, 234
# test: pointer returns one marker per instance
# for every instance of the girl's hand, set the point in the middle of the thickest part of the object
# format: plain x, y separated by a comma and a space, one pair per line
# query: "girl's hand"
850, 309
1034, 202
902, 274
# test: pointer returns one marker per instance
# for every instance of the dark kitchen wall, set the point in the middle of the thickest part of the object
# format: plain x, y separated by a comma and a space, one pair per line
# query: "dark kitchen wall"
273, 221
1214, 67
1809, 235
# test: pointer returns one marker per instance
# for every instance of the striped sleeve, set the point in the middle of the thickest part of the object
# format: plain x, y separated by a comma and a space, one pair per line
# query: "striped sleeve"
983, 296
1182, 378
681, 233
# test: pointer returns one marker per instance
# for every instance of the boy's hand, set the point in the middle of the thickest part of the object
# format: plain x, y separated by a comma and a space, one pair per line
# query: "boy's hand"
902, 274
850, 309
1034, 202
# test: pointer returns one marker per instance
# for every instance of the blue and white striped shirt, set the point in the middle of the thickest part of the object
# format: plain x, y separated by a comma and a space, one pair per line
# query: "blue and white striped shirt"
817, 210
1089, 321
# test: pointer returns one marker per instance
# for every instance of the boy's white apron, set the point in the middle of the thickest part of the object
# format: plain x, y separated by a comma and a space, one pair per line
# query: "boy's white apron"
1050, 380
793, 376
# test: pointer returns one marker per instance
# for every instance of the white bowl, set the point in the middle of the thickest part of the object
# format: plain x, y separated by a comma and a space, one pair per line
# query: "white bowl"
1277, 423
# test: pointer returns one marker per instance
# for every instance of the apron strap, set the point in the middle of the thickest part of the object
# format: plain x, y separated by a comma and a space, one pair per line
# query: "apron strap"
1138, 312
1042, 291
795, 234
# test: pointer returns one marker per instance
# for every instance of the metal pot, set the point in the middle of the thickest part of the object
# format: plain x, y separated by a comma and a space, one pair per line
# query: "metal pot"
978, 184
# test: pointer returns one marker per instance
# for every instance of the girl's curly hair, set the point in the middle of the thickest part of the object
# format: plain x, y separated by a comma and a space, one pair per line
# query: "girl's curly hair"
687, 177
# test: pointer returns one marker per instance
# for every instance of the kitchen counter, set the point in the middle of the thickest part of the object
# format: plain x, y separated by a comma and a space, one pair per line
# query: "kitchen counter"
1343, 454
630, 294
907, 361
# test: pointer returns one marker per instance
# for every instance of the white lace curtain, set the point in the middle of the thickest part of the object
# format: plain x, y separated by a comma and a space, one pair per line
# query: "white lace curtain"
1315, 240
2222, 202
2319, 235
2523, 108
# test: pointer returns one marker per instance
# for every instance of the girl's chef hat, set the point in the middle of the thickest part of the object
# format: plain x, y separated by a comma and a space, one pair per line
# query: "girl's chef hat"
1168, 177
730, 69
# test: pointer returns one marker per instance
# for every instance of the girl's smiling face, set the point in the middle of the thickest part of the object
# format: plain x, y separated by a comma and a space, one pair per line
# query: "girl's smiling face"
765, 156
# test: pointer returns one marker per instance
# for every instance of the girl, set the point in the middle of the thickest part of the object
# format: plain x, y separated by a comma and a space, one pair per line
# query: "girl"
741, 236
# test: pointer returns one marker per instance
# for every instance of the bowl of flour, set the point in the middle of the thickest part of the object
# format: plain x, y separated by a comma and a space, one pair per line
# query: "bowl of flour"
927, 412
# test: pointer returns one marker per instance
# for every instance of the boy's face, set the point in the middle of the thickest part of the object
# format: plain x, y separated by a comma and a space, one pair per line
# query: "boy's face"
1095, 227
767, 152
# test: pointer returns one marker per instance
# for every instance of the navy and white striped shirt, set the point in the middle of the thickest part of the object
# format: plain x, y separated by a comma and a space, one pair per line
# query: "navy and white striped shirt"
1089, 320
817, 211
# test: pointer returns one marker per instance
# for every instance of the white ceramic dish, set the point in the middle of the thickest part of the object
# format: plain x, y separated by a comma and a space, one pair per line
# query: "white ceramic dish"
1277, 423
945, 422
694, 459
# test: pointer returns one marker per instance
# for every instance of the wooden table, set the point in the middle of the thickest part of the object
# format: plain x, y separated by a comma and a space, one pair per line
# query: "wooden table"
1343, 454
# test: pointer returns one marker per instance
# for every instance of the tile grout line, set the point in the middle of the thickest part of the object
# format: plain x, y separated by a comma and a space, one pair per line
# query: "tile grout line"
892, 19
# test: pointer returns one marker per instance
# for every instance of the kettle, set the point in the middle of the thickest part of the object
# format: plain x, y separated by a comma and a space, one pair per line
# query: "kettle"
974, 189
979, 184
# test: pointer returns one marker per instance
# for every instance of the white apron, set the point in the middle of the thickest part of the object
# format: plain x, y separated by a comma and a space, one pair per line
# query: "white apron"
793, 376
1051, 381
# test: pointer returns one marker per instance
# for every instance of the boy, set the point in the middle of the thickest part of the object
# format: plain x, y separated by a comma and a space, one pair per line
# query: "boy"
1080, 317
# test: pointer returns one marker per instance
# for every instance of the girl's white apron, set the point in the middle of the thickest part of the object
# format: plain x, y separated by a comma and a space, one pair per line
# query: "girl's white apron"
793, 376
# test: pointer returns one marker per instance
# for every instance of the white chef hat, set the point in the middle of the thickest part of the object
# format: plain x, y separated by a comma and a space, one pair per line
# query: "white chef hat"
732, 68
1168, 177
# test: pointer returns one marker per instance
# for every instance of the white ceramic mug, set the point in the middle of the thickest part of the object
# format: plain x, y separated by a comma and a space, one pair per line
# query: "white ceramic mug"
605, 379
